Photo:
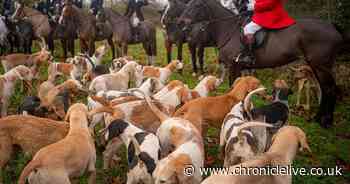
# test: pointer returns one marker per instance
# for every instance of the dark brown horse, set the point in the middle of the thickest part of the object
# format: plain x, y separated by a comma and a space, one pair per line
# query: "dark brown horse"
87, 29
122, 33
85, 24
65, 33
316, 40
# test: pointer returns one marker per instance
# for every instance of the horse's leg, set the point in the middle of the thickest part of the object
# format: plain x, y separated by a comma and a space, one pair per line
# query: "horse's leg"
179, 50
51, 45
147, 47
118, 49
201, 58
328, 88
235, 72
71, 46
64, 44
193, 50
83, 46
91, 47
169, 47
111, 45
125, 49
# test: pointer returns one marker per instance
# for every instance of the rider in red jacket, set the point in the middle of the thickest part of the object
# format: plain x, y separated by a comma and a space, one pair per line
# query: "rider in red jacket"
268, 14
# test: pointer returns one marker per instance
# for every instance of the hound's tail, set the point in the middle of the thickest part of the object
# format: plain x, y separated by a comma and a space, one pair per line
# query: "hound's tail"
252, 124
101, 100
247, 101
31, 166
161, 115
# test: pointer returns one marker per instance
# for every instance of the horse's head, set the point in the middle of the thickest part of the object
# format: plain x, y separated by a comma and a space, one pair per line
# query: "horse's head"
19, 13
67, 13
174, 10
196, 11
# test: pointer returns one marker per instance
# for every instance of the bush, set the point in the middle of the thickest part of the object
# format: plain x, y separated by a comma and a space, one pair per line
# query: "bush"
342, 15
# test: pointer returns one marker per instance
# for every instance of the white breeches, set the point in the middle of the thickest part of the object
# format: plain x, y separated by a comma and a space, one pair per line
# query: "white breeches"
251, 28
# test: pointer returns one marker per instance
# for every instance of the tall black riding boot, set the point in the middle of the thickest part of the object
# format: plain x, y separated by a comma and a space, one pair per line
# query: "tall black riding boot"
247, 55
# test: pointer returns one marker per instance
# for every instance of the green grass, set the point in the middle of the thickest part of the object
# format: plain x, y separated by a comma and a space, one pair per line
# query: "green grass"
329, 146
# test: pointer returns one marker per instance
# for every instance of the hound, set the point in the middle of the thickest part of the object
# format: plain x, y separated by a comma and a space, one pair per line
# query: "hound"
33, 61
49, 96
184, 141
213, 110
30, 133
285, 145
150, 86
118, 63
162, 74
237, 143
143, 150
7, 84
306, 78
120, 80
138, 113
68, 158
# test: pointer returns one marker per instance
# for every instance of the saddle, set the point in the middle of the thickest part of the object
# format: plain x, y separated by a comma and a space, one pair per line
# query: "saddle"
260, 38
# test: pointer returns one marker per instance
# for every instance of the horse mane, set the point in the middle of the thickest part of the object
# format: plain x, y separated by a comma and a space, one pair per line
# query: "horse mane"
222, 7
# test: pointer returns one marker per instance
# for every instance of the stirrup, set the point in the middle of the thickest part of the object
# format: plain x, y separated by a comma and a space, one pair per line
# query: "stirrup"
238, 57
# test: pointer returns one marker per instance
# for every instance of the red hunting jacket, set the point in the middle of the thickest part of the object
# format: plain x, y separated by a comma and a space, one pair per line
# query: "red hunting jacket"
270, 14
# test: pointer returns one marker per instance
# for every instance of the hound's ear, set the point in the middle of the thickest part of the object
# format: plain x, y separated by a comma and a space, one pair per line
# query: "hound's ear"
211, 84
153, 85
236, 82
181, 162
184, 95
303, 141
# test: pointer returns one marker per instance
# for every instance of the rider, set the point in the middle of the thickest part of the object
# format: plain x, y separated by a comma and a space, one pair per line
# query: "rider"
268, 14
135, 6
96, 5
8, 8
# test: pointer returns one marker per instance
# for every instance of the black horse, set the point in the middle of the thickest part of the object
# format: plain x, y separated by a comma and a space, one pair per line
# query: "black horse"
198, 36
21, 35
318, 41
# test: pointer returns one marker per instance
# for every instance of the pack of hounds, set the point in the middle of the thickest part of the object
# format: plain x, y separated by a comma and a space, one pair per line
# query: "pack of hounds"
162, 122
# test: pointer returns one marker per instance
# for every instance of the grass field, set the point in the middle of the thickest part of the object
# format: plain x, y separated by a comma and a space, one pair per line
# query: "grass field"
331, 147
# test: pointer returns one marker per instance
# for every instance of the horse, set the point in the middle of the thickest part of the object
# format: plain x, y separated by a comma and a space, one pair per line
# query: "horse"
85, 24
198, 37
122, 33
318, 41
39, 21
20, 36
86, 27
65, 33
